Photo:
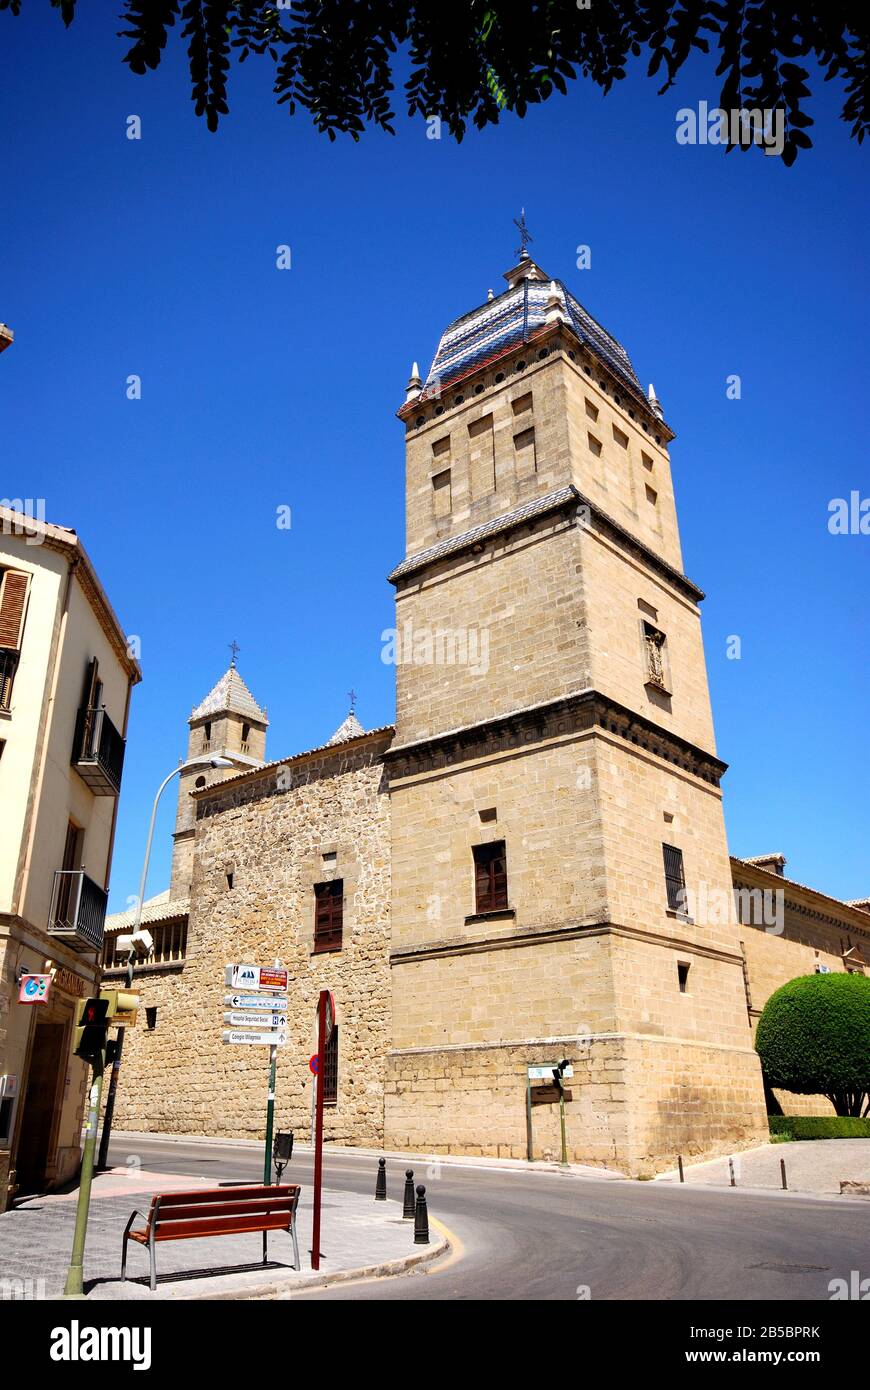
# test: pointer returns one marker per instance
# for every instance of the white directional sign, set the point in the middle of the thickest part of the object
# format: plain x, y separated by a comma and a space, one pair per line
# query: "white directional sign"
270, 1002
243, 1020
545, 1072
244, 1035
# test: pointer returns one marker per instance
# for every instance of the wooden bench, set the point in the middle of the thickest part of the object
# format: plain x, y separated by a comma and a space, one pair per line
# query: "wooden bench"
220, 1211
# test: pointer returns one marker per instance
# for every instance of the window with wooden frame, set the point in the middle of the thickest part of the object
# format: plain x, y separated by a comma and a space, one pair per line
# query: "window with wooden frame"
13, 600
675, 879
490, 877
328, 915
330, 1069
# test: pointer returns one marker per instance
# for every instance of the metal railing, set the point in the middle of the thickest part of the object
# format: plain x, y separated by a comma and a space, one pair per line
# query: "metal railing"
8, 667
78, 909
98, 751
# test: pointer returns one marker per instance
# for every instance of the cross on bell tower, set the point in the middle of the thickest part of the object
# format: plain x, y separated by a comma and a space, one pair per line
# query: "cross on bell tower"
525, 235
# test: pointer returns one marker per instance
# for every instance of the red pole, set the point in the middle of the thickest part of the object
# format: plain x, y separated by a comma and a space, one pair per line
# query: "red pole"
318, 1131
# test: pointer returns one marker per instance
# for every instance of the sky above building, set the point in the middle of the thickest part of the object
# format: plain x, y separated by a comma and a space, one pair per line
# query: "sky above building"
269, 394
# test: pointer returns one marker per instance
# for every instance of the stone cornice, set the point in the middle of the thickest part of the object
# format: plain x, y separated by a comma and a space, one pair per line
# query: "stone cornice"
535, 936
568, 500
805, 902
575, 713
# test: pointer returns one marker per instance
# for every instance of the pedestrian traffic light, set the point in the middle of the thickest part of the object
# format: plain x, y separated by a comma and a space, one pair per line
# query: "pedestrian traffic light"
91, 1027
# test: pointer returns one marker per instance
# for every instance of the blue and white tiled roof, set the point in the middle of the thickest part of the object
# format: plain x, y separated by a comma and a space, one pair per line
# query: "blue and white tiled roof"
508, 321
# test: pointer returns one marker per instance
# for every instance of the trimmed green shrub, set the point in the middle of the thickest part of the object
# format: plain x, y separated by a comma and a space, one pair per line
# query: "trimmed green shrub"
784, 1127
813, 1038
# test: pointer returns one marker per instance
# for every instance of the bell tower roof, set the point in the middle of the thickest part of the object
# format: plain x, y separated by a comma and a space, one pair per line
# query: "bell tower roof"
230, 696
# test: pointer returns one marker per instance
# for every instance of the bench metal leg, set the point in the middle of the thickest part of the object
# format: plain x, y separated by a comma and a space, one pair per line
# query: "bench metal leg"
296, 1263
153, 1255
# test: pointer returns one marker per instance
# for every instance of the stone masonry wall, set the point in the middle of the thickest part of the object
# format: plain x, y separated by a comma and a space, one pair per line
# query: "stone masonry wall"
180, 1077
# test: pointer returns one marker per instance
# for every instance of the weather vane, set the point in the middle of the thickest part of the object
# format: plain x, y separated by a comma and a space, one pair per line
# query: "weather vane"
352, 697
525, 234
234, 647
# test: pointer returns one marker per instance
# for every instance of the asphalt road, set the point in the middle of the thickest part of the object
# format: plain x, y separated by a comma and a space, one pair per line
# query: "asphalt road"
537, 1235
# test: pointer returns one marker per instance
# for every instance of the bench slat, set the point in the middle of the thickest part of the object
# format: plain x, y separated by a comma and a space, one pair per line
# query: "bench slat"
284, 1204
226, 1194
217, 1226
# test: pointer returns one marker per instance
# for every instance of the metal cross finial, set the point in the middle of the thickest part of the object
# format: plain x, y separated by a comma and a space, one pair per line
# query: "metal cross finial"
234, 647
352, 697
525, 234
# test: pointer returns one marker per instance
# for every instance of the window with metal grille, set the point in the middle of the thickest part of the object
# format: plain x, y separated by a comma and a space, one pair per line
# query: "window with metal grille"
675, 880
330, 1069
328, 915
490, 877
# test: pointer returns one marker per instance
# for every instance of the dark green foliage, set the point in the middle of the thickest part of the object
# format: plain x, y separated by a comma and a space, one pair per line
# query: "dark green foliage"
813, 1038
470, 61
819, 1126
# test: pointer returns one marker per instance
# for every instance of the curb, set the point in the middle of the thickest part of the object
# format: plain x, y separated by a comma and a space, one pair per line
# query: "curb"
286, 1290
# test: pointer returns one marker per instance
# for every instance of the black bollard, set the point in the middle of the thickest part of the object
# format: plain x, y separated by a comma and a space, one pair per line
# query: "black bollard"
680, 1165
381, 1184
408, 1207
782, 1173
421, 1218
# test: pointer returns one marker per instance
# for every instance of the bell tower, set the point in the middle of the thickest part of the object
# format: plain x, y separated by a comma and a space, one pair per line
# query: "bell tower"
554, 781
227, 724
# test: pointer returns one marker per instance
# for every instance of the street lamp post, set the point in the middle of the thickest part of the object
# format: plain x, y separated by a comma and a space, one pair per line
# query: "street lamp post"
102, 1161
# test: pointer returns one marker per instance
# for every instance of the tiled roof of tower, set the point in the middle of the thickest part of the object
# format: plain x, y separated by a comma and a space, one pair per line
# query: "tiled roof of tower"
508, 321
351, 728
230, 695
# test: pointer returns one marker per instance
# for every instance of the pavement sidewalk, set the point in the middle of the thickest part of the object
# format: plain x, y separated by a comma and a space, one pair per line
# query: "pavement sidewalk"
811, 1165
359, 1237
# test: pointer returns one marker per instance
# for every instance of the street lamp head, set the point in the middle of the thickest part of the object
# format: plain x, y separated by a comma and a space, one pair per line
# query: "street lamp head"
220, 762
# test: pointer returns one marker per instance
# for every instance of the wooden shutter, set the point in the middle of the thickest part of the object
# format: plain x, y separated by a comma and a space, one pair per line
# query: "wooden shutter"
13, 596
328, 915
490, 877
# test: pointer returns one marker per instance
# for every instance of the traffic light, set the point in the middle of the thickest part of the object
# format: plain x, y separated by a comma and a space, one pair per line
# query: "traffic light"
122, 1004
91, 1027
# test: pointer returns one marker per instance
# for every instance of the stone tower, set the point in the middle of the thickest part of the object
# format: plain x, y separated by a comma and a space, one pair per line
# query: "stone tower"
554, 780
227, 724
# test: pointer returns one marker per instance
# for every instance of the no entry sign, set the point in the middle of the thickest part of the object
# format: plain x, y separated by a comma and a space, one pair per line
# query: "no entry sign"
312, 1064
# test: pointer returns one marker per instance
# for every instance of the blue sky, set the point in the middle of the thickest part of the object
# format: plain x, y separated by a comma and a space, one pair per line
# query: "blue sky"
263, 388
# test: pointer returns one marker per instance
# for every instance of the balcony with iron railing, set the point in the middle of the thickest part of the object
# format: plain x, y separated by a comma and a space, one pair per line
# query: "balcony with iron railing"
8, 667
98, 752
78, 910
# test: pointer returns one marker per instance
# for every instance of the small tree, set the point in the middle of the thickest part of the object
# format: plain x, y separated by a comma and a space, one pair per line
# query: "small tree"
813, 1038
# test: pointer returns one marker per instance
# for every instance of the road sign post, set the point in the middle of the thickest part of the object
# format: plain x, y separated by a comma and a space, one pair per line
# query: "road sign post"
259, 1020
325, 1025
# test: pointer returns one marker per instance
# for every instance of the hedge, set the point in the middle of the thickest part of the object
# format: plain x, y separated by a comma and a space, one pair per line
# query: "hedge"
820, 1126
813, 1038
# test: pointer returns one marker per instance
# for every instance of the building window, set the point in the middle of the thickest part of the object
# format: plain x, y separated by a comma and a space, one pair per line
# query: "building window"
591, 410
522, 404
206, 736
675, 880
246, 734
655, 644
621, 439
594, 445
330, 1069
490, 877
652, 496
646, 461
481, 461
441, 493
328, 915
151, 1017
683, 975
13, 598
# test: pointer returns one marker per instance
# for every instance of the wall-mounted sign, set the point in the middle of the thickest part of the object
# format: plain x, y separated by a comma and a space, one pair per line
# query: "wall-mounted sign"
270, 1039
257, 977
243, 1020
34, 989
